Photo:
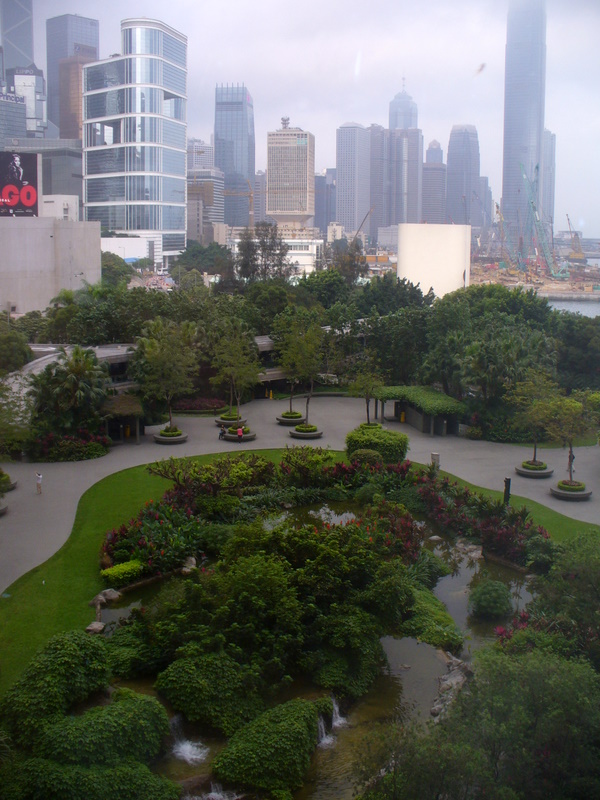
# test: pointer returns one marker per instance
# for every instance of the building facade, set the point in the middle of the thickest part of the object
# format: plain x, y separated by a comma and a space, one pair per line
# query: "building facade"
235, 150
548, 180
206, 206
13, 119
28, 82
462, 181
77, 40
200, 154
353, 175
403, 112
524, 101
61, 165
291, 176
325, 199
434, 185
135, 138
16, 32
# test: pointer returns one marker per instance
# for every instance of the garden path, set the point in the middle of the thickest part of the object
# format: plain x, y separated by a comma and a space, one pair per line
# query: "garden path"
35, 527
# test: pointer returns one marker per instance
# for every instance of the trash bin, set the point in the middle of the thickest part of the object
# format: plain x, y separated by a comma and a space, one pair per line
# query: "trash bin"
127, 431
403, 416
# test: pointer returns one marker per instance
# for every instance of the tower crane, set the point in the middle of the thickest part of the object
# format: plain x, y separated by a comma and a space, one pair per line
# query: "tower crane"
554, 269
576, 253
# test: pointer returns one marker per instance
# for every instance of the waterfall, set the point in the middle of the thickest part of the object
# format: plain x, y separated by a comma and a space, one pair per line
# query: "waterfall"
216, 793
325, 739
337, 721
185, 749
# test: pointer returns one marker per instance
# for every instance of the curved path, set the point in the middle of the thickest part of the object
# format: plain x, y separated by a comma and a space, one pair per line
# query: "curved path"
35, 527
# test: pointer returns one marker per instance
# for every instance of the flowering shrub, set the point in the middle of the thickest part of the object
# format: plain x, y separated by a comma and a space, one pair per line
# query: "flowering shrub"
84, 445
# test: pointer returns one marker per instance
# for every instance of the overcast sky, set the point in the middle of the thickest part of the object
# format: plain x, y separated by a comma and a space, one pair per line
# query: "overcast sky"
326, 62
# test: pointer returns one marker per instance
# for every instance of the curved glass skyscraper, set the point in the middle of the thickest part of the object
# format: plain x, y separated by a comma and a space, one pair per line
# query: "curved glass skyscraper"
524, 99
135, 137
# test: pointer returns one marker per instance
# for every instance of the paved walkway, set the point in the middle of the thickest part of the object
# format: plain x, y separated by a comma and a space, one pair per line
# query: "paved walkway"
35, 527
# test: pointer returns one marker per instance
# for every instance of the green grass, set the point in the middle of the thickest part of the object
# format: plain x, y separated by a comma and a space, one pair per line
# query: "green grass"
54, 597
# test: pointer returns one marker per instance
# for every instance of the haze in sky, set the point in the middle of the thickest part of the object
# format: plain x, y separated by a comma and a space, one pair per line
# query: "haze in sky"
326, 62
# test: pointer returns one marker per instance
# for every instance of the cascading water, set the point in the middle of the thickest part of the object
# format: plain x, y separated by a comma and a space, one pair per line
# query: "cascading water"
337, 721
325, 739
216, 793
185, 749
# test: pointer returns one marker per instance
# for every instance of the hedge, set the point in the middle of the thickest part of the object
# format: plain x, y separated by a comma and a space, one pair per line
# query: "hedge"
133, 725
210, 689
424, 398
391, 446
272, 752
36, 778
70, 668
122, 574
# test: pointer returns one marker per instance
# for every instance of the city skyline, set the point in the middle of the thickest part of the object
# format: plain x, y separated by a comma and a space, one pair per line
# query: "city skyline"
342, 66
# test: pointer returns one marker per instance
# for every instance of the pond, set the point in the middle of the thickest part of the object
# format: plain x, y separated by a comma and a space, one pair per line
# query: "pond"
410, 682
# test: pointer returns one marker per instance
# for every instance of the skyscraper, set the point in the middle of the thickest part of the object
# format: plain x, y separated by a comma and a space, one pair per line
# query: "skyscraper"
353, 175
434, 185
325, 199
548, 180
135, 137
235, 149
77, 39
462, 176
403, 111
524, 99
16, 30
290, 175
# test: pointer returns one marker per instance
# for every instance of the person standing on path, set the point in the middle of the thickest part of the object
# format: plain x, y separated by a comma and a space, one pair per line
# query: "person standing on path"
38, 482
240, 434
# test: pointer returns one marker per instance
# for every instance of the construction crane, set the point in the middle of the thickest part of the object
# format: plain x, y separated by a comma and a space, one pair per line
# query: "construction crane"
576, 253
558, 271
506, 253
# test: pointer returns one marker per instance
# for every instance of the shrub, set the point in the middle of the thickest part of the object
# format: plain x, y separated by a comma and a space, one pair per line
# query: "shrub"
210, 689
233, 430
534, 466
490, 600
122, 574
4, 481
199, 404
69, 668
291, 415
229, 415
391, 446
83, 446
304, 428
430, 622
366, 456
571, 486
133, 726
272, 752
42, 778
171, 430
303, 466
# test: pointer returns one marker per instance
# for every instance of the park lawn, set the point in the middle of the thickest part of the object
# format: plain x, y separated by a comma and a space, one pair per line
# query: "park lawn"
54, 596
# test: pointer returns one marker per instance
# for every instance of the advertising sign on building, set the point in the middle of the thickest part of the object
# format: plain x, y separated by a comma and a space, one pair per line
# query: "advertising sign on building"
18, 185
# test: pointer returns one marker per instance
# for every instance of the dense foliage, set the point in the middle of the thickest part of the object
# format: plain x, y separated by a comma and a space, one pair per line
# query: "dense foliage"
391, 445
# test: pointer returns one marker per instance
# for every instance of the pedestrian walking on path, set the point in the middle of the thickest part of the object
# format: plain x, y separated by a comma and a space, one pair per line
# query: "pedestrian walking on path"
38, 482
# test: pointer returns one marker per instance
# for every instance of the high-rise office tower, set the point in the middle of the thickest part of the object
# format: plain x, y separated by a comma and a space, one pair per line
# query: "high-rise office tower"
548, 180
75, 39
325, 199
462, 177
290, 176
135, 137
16, 32
200, 154
434, 185
524, 99
405, 176
353, 175
28, 82
205, 206
403, 111
235, 150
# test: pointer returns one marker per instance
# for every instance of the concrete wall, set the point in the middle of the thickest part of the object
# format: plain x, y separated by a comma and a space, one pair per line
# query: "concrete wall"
437, 256
40, 256
125, 246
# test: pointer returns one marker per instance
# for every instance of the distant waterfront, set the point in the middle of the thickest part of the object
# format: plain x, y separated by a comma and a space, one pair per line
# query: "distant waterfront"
587, 308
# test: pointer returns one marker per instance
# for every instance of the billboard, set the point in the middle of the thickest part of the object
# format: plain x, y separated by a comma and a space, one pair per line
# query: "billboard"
18, 184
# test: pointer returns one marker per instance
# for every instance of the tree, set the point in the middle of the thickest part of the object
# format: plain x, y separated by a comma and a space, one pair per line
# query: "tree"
350, 262
567, 418
530, 397
15, 414
68, 394
14, 350
298, 340
164, 361
236, 362
366, 383
115, 270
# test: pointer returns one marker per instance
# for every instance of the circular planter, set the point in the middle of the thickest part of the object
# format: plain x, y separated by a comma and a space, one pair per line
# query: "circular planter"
290, 420
311, 435
3, 510
229, 422
10, 486
232, 437
533, 473
575, 497
160, 439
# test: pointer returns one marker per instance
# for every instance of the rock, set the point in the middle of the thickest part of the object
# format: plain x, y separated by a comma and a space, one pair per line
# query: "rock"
95, 627
435, 539
436, 710
99, 600
186, 570
111, 594
190, 563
